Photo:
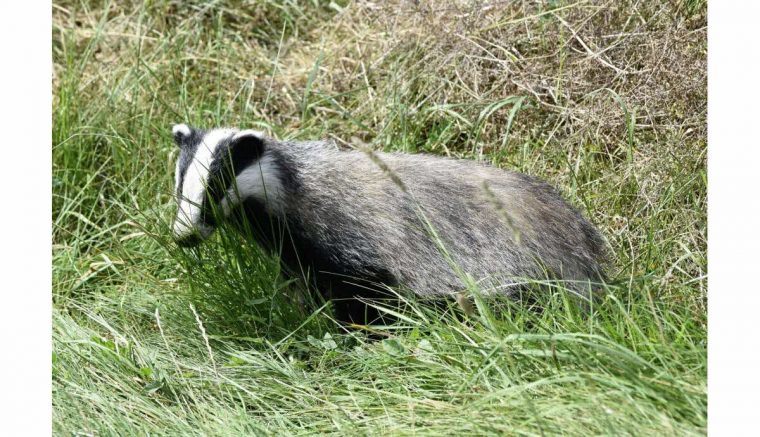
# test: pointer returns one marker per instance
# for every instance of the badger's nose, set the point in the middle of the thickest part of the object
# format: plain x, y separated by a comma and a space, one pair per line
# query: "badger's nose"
188, 240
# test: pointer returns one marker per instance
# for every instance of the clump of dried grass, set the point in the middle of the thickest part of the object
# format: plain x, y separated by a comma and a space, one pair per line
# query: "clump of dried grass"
587, 66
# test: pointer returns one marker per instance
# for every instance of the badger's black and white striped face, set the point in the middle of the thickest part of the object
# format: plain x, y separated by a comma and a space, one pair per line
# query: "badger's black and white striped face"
216, 170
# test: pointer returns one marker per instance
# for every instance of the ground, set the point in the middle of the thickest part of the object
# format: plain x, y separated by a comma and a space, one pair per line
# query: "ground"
606, 101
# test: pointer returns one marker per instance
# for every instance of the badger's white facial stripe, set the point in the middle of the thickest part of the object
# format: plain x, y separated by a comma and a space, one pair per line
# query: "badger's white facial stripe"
180, 227
176, 178
182, 129
194, 187
249, 132
259, 181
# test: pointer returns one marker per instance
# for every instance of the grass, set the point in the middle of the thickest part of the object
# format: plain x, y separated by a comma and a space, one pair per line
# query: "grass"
608, 103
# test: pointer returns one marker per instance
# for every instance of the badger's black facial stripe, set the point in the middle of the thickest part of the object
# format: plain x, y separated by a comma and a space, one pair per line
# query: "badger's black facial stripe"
188, 146
179, 138
230, 158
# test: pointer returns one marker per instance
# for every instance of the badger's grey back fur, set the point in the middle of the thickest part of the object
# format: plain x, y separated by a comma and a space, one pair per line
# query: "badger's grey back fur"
344, 212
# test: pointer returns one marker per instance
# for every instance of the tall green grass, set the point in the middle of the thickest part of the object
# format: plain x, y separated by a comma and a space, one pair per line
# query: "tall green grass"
151, 339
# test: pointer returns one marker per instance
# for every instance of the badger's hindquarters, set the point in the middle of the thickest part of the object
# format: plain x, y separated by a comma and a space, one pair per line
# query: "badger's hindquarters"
355, 223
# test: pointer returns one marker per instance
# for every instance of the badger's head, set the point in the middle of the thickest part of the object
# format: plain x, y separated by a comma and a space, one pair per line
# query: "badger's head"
216, 170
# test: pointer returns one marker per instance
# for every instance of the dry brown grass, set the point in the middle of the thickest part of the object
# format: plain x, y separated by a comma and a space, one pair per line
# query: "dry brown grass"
573, 62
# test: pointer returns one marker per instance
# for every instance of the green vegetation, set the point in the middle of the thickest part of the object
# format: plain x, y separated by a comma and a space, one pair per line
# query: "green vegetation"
608, 103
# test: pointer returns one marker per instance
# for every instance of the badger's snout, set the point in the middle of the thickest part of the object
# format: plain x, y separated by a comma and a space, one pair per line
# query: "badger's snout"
189, 240
190, 236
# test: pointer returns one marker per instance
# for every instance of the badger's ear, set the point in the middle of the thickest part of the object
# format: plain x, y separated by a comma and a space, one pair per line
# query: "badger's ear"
245, 148
181, 133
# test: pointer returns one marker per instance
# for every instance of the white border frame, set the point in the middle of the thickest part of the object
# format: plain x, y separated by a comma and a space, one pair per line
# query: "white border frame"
26, 309
733, 218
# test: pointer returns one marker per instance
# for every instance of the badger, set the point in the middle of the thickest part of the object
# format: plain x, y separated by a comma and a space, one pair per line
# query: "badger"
358, 222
